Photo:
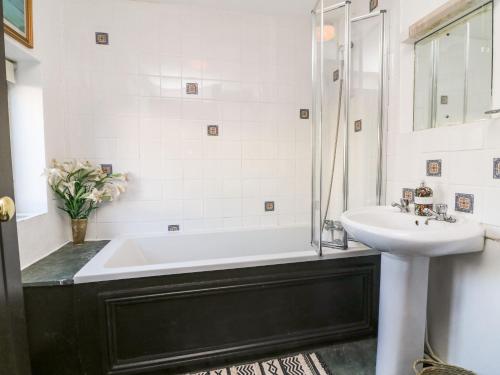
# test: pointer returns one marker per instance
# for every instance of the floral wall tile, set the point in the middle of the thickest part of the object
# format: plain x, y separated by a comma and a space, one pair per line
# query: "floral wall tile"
496, 168
464, 203
269, 206
409, 194
434, 168
304, 114
213, 130
101, 38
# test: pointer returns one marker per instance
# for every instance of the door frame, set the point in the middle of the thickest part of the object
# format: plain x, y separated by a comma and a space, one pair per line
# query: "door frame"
14, 350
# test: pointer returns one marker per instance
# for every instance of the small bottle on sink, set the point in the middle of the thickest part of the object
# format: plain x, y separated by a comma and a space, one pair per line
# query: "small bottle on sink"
423, 199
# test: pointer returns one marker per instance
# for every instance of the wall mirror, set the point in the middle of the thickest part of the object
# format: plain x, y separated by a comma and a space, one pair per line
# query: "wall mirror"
453, 72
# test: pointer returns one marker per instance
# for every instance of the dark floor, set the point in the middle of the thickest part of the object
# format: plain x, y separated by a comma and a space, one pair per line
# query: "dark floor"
353, 358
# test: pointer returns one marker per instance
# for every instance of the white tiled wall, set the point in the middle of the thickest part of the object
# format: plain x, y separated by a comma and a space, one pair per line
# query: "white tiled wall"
43, 234
463, 303
126, 104
466, 151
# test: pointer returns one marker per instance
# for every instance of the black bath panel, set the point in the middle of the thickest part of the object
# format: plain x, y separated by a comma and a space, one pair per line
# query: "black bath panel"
179, 323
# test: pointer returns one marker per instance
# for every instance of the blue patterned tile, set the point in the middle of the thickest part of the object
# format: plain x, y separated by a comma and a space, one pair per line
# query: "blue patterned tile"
191, 88
269, 206
434, 168
107, 168
409, 194
496, 168
358, 126
464, 203
336, 75
102, 38
213, 130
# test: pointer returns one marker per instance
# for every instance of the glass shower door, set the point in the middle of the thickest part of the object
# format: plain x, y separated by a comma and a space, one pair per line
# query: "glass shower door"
348, 134
367, 108
329, 85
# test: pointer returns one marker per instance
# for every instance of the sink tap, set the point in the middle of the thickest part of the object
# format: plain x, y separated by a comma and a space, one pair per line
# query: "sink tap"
440, 214
404, 206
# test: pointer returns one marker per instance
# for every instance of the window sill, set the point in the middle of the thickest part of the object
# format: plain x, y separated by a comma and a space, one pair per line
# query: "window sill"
21, 217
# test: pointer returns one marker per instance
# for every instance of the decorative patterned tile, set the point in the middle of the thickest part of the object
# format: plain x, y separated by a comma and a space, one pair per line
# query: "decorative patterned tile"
107, 168
269, 206
409, 194
191, 88
213, 130
464, 203
358, 126
336, 75
434, 168
304, 114
496, 168
102, 38
174, 228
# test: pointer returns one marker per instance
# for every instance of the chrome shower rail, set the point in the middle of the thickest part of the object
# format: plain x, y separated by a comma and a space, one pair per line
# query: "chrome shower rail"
381, 107
331, 7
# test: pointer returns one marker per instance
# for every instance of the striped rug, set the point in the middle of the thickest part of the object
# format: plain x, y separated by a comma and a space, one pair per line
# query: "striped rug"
301, 364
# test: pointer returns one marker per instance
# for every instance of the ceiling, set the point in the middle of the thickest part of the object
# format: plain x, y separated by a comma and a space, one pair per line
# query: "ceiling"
303, 7
256, 6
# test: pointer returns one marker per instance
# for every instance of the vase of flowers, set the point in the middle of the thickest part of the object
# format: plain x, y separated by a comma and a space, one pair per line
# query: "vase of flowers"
82, 187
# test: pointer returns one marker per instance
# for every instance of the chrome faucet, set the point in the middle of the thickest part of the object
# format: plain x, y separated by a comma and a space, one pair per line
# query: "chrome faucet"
335, 227
440, 214
404, 206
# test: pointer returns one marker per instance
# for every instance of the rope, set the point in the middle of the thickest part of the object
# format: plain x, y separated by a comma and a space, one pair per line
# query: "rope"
433, 365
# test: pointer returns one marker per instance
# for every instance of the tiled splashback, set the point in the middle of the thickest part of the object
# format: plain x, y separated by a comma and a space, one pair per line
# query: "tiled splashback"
202, 107
459, 162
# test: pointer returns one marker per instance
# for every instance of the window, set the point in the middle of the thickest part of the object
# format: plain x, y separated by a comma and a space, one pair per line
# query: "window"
27, 135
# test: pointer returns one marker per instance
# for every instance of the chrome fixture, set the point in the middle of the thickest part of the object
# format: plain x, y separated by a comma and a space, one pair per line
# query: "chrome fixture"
440, 214
492, 111
335, 142
404, 206
338, 234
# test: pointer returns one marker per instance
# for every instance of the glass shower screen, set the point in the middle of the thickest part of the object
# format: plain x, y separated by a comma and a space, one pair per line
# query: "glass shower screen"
348, 118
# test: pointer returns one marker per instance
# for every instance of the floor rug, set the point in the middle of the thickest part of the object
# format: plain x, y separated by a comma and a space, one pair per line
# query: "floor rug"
301, 364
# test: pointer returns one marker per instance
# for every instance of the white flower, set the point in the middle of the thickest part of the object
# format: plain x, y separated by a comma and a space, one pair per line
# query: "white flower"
96, 196
54, 176
94, 186
71, 187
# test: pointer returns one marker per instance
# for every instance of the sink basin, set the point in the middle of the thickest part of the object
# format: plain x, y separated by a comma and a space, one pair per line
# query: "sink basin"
407, 244
389, 230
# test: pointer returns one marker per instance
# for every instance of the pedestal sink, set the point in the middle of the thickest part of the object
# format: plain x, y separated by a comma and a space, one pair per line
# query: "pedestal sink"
407, 242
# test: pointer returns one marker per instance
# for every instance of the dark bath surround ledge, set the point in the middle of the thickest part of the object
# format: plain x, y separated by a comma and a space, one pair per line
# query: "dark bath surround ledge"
61, 266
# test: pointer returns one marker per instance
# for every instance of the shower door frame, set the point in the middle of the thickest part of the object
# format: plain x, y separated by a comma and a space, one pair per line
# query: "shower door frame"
380, 191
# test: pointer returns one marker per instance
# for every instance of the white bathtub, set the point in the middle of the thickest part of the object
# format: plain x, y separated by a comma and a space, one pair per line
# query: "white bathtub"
132, 257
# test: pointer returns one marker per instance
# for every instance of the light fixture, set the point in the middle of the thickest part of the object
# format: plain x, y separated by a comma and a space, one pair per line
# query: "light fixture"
329, 33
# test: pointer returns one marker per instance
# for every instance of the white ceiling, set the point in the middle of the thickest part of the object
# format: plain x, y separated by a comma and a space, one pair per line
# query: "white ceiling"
266, 6
257, 6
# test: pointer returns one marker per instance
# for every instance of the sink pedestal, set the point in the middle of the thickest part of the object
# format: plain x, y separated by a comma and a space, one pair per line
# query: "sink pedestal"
407, 244
403, 312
